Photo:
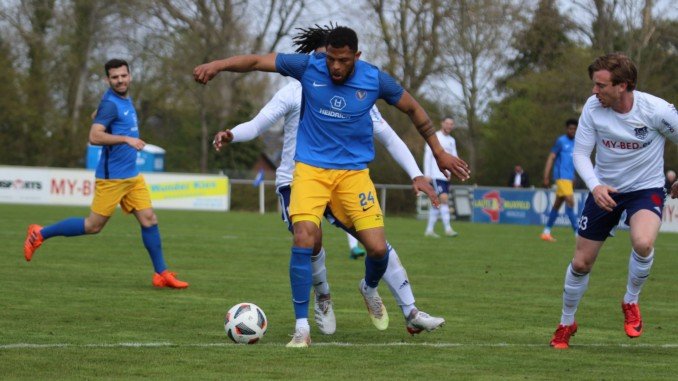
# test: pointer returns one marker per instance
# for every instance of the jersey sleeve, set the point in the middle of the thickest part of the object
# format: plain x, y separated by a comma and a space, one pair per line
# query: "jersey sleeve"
395, 146
291, 65
273, 111
389, 89
106, 114
557, 147
667, 121
584, 141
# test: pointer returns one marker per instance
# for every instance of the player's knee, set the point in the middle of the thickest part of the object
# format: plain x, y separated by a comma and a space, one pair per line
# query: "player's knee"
643, 246
377, 252
581, 266
444, 198
93, 228
305, 237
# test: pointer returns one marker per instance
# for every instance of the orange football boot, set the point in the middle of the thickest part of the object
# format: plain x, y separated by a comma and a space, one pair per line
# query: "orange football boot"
633, 323
561, 338
167, 279
33, 241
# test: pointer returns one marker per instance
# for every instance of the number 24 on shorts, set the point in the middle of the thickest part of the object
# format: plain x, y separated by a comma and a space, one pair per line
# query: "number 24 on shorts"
366, 199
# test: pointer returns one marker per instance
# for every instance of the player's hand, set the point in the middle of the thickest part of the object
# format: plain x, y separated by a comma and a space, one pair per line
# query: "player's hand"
674, 190
135, 143
205, 72
221, 139
453, 165
547, 182
423, 184
601, 195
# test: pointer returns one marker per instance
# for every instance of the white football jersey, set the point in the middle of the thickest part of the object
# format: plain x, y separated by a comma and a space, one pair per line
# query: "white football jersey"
629, 147
286, 103
430, 165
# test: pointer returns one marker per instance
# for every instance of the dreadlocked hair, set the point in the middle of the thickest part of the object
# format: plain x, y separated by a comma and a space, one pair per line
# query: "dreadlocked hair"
310, 39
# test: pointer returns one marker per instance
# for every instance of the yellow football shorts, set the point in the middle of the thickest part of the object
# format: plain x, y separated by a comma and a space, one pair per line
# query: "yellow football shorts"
564, 188
132, 194
349, 193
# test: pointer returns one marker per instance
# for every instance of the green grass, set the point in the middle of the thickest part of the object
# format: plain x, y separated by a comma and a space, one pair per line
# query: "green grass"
499, 287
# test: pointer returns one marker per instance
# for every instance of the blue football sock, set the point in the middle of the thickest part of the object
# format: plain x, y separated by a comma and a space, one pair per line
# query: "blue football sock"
552, 218
573, 219
151, 238
301, 280
374, 269
69, 227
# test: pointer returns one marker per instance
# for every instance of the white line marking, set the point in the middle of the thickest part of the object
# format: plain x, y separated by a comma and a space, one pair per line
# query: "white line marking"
329, 344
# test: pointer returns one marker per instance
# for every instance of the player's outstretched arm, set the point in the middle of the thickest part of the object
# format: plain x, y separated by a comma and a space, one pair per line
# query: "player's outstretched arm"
417, 114
240, 64
282, 103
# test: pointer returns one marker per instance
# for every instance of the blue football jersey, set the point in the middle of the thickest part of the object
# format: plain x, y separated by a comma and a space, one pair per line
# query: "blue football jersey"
119, 117
563, 167
335, 128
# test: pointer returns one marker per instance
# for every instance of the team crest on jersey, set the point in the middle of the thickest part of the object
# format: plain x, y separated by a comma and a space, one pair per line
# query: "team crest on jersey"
361, 94
337, 102
641, 133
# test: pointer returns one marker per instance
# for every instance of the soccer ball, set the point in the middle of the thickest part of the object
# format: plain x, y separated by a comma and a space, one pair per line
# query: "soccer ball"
245, 323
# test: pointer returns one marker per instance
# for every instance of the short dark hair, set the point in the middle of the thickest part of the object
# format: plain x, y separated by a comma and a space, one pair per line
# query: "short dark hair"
447, 117
114, 64
571, 121
310, 39
622, 69
343, 36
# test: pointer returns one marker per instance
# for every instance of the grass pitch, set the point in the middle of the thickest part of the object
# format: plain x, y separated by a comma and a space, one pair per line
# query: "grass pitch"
84, 308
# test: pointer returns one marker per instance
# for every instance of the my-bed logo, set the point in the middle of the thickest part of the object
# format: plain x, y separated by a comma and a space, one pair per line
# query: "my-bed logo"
491, 204
20, 184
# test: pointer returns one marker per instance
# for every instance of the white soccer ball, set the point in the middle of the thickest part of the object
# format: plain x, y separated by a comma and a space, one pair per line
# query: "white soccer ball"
245, 323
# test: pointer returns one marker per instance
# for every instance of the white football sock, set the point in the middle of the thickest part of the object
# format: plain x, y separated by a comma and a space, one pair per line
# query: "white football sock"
575, 286
302, 324
320, 284
433, 213
445, 215
639, 270
396, 279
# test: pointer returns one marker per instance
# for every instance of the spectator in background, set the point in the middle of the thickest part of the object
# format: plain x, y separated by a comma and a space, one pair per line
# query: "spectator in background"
669, 180
518, 178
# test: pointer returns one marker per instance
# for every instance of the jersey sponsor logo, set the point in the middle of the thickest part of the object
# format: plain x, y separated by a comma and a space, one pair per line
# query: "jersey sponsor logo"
316, 84
624, 145
337, 102
641, 133
361, 94
333, 114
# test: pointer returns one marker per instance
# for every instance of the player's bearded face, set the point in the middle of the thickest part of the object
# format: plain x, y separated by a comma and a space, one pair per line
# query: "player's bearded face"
119, 79
608, 94
340, 63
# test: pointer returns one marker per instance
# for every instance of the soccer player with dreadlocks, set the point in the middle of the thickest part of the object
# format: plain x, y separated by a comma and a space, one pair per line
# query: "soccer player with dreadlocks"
334, 146
286, 105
